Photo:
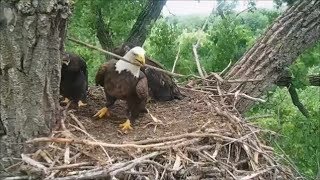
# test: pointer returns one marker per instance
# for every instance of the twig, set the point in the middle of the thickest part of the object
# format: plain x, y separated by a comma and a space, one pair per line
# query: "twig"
177, 163
111, 171
69, 166
218, 146
91, 137
241, 95
195, 90
225, 69
73, 117
45, 157
176, 60
19, 177
229, 116
252, 98
187, 135
196, 57
93, 143
75, 157
66, 156
34, 163
257, 173
241, 80
218, 77
155, 122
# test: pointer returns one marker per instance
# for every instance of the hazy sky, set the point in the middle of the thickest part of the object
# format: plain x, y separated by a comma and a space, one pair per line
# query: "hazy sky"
204, 7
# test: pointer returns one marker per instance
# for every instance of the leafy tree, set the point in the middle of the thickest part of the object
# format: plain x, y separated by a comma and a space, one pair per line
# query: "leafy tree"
162, 42
227, 40
299, 136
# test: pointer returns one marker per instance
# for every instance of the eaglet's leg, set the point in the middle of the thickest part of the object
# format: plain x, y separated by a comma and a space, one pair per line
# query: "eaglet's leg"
80, 89
104, 112
65, 101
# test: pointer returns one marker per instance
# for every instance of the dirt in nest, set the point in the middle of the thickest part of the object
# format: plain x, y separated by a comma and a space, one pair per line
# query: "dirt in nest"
178, 116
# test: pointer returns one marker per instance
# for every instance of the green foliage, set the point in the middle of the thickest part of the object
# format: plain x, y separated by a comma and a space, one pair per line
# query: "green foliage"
227, 40
299, 135
187, 22
162, 42
120, 16
223, 39
301, 67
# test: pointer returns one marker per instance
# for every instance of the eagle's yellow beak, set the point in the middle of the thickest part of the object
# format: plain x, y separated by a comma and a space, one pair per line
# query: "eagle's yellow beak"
140, 58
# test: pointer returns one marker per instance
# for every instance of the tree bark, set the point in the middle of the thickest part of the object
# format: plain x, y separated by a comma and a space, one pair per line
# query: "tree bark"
30, 47
141, 28
290, 35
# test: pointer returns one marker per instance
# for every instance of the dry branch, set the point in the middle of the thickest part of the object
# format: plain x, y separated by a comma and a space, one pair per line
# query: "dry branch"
164, 141
196, 57
176, 60
33, 162
112, 170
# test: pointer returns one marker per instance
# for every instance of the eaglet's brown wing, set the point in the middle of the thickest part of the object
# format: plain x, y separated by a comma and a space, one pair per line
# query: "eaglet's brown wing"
100, 74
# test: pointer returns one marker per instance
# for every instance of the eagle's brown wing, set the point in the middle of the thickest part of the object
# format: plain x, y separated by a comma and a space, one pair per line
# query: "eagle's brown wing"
142, 87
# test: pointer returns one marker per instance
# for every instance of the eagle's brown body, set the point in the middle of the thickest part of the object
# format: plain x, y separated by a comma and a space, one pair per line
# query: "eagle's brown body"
162, 87
123, 86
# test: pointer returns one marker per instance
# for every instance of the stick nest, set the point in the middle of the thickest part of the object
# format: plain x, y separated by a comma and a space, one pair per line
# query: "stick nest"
199, 137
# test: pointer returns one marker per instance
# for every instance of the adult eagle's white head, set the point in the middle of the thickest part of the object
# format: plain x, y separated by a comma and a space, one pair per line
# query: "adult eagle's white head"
136, 56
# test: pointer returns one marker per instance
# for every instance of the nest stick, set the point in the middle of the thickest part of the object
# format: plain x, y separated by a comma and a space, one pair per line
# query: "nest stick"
91, 137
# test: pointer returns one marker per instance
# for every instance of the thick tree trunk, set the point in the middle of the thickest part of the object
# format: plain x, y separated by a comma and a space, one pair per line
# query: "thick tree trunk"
30, 46
291, 34
141, 28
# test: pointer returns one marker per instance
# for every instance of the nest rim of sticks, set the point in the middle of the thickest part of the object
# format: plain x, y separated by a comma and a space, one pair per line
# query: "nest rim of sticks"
233, 153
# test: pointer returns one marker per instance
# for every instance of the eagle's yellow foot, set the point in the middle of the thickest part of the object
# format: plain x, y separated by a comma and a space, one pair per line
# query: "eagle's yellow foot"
102, 112
81, 104
125, 127
65, 101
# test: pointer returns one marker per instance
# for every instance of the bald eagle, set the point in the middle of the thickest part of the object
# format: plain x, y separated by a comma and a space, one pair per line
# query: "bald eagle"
125, 81
161, 86
74, 79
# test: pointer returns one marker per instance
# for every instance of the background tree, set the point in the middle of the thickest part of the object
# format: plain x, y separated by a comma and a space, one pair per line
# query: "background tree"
30, 46
143, 25
284, 41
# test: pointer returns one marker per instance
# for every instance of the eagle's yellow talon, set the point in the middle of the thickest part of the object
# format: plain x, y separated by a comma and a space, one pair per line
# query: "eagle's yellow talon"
81, 104
125, 127
65, 101
102, 112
